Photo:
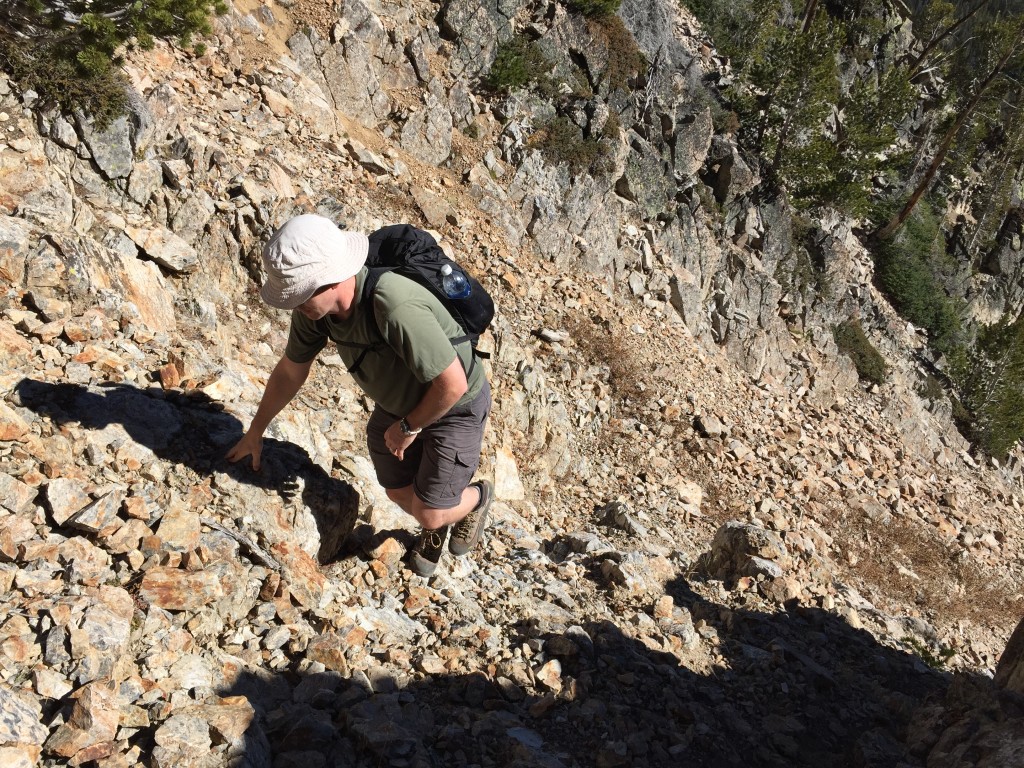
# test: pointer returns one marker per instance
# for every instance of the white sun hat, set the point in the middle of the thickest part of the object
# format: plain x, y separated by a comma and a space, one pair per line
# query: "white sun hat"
306, 253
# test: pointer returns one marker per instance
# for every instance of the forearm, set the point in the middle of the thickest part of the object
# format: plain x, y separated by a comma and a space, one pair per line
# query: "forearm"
285, 381
444, 392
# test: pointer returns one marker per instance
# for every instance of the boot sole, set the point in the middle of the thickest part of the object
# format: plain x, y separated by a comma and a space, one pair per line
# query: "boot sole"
421, 566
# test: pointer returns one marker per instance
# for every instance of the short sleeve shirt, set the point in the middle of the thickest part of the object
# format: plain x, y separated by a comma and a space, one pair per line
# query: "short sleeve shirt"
411, 349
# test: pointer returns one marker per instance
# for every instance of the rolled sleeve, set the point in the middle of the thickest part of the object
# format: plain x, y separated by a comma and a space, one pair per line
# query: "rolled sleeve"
305, 339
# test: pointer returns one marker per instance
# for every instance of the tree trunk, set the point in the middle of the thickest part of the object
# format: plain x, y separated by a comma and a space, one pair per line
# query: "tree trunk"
915, 65
996, 188
890, 229
809, 11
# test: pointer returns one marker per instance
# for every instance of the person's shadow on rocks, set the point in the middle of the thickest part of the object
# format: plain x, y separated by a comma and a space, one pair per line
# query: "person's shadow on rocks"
802, 687
194, 431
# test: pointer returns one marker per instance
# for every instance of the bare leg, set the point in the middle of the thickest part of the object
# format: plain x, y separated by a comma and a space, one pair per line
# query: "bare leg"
429, 517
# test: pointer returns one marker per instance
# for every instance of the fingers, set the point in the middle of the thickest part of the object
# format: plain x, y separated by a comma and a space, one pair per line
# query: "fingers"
241, 450
395, 447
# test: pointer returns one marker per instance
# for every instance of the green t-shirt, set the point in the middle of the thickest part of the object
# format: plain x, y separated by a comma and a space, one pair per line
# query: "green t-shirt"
416, 328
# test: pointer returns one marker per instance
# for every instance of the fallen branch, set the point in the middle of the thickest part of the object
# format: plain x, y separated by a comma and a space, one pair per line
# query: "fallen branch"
246, 544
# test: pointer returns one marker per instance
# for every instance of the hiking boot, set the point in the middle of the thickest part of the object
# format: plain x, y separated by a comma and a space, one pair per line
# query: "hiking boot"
469, 529
429, 546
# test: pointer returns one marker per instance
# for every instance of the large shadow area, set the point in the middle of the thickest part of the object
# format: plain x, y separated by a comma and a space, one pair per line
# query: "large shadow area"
796, 688
195, 432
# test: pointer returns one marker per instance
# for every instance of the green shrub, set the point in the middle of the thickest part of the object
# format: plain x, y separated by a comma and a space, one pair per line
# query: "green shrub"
57, 80
595, 8
962, 417
930, 388
725, 121
562, 141
48, 44
910, 270
625, 59
852, 341
802, 269
938, 659
518, 64
612, 128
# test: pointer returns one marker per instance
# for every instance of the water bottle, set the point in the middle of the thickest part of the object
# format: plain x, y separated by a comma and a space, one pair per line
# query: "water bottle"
455, 284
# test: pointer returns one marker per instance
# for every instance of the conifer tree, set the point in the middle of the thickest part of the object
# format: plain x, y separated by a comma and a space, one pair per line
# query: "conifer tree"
1002, 167
993, 390
940, 23
69, 50
1004, 50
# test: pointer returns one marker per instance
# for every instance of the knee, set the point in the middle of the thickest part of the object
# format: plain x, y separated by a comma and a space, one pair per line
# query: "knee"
429, 518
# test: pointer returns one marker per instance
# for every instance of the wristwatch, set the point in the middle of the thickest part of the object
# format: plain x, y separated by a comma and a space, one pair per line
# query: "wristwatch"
406, 429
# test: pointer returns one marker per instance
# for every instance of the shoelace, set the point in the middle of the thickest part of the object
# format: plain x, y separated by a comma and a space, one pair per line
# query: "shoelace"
465, 526
431, 539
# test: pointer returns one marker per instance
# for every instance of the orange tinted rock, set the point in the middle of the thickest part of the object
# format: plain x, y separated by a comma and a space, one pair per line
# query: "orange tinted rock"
329, 650
176, 590
301, 573
93, 720
170, 376
12, 426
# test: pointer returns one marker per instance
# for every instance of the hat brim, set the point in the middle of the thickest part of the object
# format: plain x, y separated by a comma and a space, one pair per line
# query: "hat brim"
307, 253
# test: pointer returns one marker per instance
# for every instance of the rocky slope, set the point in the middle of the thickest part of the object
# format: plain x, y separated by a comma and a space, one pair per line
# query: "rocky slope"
711, 546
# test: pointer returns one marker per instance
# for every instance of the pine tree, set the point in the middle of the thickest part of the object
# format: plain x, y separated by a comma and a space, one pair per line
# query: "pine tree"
939, 23
993, 390
69, 50
1003, 50
1002, 166
866, 136
821, 139
790, 88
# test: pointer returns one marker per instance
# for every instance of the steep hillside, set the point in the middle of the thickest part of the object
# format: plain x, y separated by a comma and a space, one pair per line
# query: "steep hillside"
711, 546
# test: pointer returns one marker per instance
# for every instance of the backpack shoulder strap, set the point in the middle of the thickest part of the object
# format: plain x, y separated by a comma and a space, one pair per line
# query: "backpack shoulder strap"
366, 304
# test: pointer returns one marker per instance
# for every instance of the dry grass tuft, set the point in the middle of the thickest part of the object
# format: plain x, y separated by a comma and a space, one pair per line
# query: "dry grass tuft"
600, 342
953, 585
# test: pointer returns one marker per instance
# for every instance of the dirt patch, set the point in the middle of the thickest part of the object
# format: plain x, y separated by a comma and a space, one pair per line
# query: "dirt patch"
266, 48
320, 15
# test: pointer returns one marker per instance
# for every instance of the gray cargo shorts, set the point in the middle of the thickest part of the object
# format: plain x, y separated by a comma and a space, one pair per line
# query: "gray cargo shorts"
442, 459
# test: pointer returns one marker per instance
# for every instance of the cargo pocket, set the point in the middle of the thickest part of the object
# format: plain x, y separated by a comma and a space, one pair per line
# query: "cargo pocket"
457, 478
439, 473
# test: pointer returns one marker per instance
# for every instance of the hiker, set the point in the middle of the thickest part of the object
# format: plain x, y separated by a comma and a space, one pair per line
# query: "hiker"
407, 353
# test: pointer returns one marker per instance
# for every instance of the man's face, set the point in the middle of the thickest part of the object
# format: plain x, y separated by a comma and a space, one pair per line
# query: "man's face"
322, 302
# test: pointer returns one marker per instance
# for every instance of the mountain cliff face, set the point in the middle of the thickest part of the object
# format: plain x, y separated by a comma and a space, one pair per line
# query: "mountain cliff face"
712, 546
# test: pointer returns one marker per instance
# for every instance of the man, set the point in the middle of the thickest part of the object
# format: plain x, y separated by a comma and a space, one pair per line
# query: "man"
425, 433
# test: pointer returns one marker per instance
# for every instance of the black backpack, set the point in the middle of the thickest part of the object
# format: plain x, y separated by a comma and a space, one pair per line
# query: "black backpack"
413, 253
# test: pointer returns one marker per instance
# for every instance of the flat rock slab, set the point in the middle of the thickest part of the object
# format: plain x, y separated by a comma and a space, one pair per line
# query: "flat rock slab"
176, 590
